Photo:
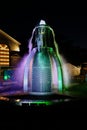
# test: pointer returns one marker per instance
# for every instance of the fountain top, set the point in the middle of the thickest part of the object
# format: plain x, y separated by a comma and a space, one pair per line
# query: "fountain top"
42, 22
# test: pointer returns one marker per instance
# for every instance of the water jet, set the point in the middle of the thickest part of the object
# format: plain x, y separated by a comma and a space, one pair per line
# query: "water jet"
43, 69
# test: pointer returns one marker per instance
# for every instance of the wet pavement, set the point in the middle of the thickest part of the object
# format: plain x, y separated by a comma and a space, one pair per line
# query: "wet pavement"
75, 90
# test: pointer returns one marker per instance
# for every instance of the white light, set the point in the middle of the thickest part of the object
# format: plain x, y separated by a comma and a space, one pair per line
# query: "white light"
42, 22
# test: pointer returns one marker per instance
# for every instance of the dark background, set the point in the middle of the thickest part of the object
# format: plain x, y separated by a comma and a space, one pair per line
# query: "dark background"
69, 22
67, 18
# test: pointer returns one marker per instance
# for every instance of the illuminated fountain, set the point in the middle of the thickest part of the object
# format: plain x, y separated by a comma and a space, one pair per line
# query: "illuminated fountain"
42, 70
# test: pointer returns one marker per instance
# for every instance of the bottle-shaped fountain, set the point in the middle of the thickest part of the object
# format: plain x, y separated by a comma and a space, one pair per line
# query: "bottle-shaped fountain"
43, 70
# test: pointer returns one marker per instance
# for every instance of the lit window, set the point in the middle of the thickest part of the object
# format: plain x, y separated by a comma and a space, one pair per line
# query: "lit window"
4, 55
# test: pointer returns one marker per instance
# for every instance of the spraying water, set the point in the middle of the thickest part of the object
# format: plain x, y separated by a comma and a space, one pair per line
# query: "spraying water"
43, 70
66, 74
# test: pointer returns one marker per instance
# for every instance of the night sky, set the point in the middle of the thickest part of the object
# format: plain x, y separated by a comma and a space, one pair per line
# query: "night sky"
68, 20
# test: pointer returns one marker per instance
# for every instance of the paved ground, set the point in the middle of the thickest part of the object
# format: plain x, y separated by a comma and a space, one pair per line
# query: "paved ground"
9, 90
75, 89
73, 109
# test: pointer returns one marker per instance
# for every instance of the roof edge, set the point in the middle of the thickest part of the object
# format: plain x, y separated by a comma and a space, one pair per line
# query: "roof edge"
9, 37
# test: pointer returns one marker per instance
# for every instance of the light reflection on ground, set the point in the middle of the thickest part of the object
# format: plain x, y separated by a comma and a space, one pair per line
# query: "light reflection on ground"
75, 90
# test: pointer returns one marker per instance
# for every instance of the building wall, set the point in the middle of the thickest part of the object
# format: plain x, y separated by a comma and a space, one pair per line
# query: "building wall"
10, 46
9, 55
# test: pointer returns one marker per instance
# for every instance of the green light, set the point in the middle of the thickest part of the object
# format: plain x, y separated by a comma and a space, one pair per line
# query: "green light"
51, 50
60, 72
5, 77
42, 103
60, 78
59, 68
34, 103
8, 74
